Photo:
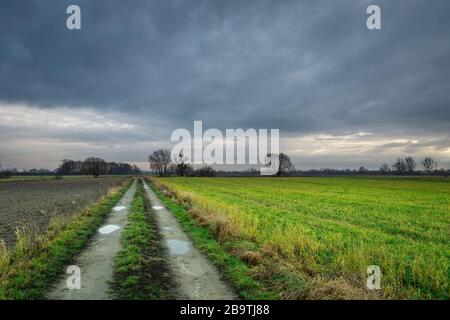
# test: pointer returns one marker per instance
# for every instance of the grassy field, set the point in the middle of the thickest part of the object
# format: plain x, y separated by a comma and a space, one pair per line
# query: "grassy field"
327, 231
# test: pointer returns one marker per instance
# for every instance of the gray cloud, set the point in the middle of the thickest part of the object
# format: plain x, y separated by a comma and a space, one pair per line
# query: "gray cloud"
306, 67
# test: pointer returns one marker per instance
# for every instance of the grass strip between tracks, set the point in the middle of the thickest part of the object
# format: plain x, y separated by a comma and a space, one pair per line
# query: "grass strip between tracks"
141, 271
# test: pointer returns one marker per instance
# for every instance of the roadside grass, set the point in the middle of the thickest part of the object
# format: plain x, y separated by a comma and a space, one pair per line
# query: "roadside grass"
236, 270
141, 271
36, 261
314, 238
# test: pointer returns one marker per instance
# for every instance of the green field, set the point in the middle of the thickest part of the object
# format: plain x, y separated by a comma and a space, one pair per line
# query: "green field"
327, 231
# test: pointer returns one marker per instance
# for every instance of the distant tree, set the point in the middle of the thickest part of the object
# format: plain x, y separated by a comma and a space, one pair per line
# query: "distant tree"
284, 166
70, 167
182, 166
204, 172
66, 167
410, 164
95, 166
399, 166
428, 164
385, 168
363, 170
160, 161
5, 174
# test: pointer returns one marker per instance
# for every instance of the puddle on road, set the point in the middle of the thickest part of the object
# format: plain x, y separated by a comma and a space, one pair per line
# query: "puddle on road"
110, 228
119, 208
168, 228
178, 247
157, 207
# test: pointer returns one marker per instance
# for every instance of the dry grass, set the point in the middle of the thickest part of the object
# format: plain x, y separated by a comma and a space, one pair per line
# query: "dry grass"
5, 257
251, 257
337, 289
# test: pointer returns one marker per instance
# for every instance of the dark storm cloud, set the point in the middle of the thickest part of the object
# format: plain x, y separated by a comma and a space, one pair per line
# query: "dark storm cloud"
342, 95
302, 66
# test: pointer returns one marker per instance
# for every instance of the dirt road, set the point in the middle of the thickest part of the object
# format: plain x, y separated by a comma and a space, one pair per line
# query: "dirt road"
97, 261
195, 275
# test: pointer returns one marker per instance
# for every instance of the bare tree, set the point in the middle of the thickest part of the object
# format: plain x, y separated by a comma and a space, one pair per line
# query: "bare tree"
66, 167
399, 166
429, 164
94, 166
363, 170
183, 167
385, 168
410, 164
285, 165
204, 172
7, 173
160, 161
71, 167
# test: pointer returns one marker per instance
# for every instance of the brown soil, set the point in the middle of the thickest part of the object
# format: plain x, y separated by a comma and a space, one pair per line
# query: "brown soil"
35, 203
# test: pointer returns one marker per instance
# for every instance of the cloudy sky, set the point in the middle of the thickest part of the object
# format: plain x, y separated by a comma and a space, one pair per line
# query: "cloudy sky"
341, 95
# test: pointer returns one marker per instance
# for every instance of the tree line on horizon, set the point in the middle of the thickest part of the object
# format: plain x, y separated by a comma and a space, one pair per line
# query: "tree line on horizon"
95, 166
162, 165
91, 166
